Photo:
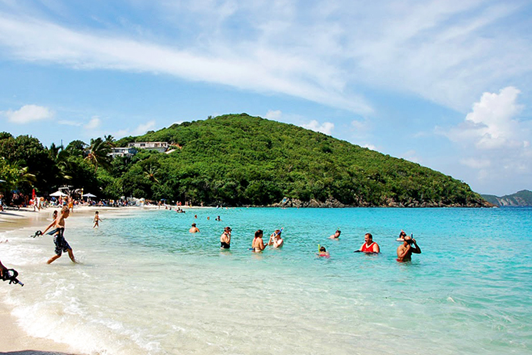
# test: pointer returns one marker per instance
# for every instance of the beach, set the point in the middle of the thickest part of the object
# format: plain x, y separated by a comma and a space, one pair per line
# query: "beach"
145, 285
13, 339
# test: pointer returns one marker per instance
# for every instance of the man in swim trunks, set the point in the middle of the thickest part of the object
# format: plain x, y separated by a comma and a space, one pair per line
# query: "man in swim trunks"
225, 238
405, 250
193, 229
61, 244
369, 246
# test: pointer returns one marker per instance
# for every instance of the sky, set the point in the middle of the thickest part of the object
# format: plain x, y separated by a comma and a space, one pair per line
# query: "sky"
446, 84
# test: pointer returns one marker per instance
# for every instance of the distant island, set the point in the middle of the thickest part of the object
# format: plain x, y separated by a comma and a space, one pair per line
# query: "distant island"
231, 160
520, 198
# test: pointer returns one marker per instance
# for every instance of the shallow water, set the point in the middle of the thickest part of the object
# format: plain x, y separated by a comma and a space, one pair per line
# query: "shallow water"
147, 286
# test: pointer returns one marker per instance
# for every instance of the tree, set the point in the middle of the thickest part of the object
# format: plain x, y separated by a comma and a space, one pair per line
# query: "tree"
97, 153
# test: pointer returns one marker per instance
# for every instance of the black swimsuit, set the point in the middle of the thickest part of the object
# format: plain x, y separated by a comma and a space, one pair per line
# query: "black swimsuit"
224, 245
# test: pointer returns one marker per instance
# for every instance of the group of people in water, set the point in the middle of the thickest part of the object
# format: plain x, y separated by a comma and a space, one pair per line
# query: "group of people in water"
404, 251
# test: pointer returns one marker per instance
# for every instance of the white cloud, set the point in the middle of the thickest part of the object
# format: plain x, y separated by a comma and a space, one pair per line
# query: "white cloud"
492, 123
476, 163
492, 139
143, 128
94, 123
369, 146
273, 114
28, 113
314, 125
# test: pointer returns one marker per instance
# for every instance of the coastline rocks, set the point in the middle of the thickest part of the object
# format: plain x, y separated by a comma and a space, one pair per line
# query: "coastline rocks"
389, 202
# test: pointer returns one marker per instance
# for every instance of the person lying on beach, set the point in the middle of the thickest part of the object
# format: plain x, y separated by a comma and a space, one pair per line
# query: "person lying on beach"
97, 220
336, 235
61, 245
323, 253
369, 246
225, 238
275, 239
193, 229
405, 250
257, 245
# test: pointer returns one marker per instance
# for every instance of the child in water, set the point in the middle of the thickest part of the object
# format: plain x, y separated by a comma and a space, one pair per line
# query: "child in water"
323, 253
97, 220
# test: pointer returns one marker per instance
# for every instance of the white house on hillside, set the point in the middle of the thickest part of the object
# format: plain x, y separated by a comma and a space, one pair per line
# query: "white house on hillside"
160, 146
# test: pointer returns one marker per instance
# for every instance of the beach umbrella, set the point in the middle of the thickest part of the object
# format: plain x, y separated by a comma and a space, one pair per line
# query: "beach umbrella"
88, 195
58, 194
2, 180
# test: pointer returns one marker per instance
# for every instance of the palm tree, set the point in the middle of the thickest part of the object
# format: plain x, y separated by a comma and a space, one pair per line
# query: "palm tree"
98, 153
150, 172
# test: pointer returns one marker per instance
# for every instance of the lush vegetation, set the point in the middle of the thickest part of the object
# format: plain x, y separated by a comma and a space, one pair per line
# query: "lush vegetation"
236, 160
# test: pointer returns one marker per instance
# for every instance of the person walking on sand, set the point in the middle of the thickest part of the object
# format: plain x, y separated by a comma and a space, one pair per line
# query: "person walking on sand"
61, 245
97, 220
225, 238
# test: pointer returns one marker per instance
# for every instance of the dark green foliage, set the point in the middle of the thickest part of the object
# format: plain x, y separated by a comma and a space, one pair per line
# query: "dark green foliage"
244, 160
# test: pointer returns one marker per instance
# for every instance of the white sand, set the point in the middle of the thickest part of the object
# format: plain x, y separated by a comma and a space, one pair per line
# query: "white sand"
13, 339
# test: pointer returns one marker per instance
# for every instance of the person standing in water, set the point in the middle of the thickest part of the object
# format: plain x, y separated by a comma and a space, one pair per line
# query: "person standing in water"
97, 220
405, 250
257, 245
193, 229
61, 245
275, 239
369, 246
225, 238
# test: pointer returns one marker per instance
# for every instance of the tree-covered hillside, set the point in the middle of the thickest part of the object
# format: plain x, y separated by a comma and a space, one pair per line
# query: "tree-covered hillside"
241, 160
520, 198
231, 160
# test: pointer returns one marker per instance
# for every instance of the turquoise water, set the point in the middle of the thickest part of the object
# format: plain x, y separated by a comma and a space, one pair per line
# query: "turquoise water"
147, 286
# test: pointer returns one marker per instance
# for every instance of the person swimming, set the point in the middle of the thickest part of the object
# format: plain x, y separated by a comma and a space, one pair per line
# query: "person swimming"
323, 252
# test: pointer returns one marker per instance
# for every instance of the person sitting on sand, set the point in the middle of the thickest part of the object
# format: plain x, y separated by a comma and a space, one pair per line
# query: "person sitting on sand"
193, 229
60, 242
225, 238
275, 239
323, 252
336, 235
97, 220
257, 245
405, 250
369, 246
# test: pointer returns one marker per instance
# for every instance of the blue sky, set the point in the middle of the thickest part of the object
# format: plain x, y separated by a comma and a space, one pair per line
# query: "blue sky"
447, 84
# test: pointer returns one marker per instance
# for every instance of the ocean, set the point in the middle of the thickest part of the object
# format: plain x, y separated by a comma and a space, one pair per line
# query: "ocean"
145, 285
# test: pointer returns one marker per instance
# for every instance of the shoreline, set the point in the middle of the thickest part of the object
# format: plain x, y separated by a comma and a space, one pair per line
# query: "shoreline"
13, 339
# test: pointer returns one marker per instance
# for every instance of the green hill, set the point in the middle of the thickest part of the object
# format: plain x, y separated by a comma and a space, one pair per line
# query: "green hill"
521, 198
244, 160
